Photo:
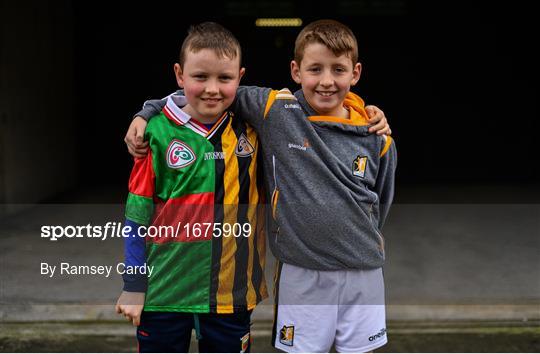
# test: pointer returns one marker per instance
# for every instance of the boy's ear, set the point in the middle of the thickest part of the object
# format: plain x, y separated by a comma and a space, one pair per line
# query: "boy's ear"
357, 70
242, 72
179, 75
295, 72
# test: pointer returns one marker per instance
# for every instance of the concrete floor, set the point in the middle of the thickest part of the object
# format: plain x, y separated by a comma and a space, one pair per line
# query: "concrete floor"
403, 337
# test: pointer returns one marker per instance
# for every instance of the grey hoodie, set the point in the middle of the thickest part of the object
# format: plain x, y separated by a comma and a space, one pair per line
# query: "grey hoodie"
329, 182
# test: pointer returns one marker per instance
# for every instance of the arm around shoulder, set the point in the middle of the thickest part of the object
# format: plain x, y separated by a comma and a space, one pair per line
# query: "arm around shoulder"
152, 107
134, 138
251, 104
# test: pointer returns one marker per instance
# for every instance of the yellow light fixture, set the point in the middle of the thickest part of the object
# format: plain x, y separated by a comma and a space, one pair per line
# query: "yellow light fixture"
278, 22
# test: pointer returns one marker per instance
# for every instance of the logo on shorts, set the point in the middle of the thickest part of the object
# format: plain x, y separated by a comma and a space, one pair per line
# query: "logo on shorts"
244, 147
359, 166
245, 343
286, 335
381, 333
179, 154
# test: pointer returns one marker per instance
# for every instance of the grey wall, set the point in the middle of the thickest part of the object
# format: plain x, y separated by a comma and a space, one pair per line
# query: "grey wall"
37, 141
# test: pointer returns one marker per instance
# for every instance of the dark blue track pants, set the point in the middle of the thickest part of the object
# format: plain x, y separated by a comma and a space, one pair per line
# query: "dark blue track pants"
171, 332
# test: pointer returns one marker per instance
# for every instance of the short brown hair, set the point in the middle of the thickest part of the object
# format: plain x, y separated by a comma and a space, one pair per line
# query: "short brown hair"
210, 35
334, 35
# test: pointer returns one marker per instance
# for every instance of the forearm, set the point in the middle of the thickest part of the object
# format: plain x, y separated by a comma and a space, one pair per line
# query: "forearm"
134, 256
152, 107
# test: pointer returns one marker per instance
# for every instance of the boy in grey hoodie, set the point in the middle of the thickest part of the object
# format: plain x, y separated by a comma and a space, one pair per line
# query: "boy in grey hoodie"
330, 184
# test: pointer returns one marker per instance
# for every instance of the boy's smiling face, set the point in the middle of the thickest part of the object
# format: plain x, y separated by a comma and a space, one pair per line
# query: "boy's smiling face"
325, 78
209, 83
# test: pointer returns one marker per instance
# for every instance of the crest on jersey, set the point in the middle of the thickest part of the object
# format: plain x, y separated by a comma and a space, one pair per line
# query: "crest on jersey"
244, 147
359, 166
286, 335
179, 154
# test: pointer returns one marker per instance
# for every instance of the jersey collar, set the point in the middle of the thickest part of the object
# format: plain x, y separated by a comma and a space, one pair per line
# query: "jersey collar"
173, 111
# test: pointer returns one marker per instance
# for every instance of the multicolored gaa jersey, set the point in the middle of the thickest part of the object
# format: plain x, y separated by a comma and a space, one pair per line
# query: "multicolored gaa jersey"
203, 183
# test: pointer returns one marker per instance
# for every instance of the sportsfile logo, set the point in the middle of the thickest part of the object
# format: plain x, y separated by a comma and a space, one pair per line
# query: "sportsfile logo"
381, 333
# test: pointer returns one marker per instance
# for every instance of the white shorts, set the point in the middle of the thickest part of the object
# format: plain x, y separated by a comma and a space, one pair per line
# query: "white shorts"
315, 309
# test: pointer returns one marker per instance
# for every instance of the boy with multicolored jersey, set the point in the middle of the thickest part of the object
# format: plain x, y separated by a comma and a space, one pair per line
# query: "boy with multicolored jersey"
331, 184
197, 190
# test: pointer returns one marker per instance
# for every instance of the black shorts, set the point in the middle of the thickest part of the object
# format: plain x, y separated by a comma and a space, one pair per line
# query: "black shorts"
171, 332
